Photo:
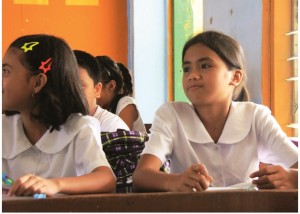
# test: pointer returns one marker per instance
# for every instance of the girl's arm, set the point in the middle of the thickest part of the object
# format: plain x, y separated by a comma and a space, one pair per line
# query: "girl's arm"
147, 177
129, 114
276, 176
100, 180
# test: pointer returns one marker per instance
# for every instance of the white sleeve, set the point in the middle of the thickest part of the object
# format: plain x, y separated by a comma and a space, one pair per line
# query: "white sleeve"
123, 102
112, 122
89, 152
274, 145
160, 143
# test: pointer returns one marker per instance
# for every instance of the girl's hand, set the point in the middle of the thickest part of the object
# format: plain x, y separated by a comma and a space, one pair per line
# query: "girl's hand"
31, 184
195, 178
276, 177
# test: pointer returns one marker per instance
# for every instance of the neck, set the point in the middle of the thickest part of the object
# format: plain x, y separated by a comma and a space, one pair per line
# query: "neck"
93, 109
214, 118
33, 129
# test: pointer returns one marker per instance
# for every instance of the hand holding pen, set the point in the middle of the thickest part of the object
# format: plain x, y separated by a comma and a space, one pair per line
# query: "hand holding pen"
194, 179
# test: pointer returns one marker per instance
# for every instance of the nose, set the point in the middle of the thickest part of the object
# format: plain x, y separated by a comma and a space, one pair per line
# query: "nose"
194, 75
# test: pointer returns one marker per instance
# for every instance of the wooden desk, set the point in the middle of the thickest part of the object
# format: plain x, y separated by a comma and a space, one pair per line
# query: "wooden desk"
209, 201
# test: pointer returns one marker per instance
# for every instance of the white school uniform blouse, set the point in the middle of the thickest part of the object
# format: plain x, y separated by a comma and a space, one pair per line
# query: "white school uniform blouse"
73, 151
251, 134
109, 122
138, 125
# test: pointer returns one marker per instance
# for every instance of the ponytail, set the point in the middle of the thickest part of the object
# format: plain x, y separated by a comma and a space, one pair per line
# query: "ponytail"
243, 96
127, 80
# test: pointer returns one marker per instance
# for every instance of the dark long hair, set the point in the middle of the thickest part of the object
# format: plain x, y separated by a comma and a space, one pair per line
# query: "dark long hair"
110, 70
230, 51
62, 95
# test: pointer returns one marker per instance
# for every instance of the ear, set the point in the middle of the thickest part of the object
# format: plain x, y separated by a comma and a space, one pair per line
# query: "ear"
98, 89
39, 82
111, 85
237, 76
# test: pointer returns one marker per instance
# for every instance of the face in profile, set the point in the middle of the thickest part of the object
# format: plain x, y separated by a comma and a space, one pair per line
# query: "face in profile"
91, 91
17, 83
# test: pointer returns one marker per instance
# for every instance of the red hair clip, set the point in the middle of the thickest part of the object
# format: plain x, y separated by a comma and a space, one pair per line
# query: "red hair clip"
47, 63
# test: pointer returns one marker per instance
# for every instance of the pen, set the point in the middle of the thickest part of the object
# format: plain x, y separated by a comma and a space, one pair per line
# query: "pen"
7, 181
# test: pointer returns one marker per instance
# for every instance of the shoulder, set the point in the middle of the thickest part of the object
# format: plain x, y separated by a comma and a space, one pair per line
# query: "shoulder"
76, 128
177, 107
77, 122
123, 102
249, 110
246, 106
172, 113
109, 121
126, 100
243, 116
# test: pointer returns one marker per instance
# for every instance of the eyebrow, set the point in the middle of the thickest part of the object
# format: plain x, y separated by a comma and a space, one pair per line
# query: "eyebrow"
198, 60
6, 65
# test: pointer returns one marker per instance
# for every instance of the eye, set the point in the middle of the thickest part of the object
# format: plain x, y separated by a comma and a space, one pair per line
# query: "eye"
205, 66
5, 71
186, 69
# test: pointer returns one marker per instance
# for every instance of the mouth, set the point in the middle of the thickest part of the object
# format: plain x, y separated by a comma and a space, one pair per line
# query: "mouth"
195, 87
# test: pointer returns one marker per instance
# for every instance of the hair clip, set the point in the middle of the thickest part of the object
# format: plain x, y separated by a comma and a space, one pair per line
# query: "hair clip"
30, 46
6, 180
47, 63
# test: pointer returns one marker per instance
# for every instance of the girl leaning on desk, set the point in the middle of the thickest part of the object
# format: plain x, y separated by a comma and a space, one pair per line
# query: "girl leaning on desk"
50, 145
215, 141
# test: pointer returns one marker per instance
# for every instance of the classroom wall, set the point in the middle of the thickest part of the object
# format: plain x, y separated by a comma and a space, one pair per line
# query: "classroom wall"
243, 21
149, 49
100, 29
187, 21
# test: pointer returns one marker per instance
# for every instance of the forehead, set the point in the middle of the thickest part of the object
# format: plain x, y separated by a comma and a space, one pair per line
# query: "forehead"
12, 56
197, 51
84, 74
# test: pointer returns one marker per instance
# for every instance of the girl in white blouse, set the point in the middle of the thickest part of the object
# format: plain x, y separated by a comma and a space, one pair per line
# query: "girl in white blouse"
116, 94
49, 144
215, 141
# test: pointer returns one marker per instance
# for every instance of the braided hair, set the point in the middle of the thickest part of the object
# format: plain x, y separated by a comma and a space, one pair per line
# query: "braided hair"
110, 70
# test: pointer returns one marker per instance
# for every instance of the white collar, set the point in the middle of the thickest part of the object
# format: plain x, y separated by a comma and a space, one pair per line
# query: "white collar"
15, 141
236, 128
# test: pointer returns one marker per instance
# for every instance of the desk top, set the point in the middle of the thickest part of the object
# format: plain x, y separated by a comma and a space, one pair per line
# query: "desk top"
208, 201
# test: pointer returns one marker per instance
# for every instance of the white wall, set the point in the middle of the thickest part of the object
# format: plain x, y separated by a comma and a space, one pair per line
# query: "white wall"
148, 46
241, 19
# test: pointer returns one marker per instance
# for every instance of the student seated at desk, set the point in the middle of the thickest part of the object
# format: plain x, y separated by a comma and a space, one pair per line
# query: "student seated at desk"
215, 141
48, 139
91, 83
116, 95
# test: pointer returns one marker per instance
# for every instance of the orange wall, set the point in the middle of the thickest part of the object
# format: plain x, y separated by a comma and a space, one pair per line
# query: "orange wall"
99, 30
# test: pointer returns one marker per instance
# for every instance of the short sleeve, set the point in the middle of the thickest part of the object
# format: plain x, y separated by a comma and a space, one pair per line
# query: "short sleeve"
160, 143
123, 102
274, 145
89, 152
